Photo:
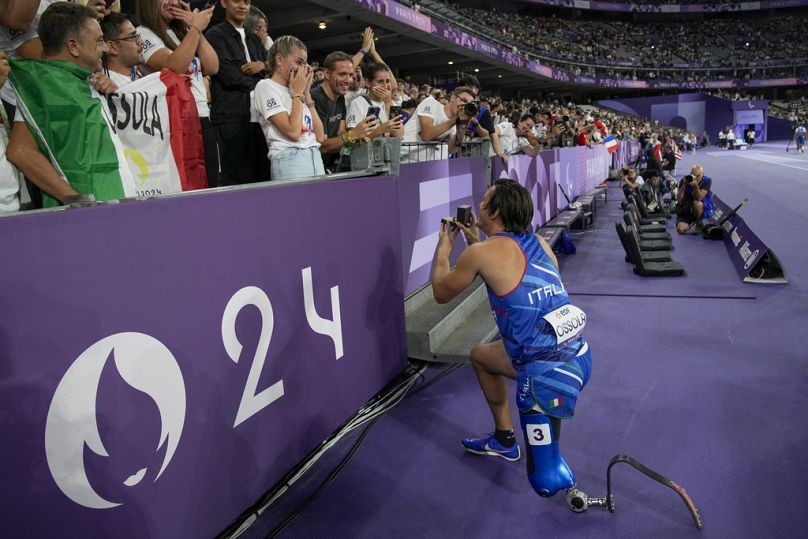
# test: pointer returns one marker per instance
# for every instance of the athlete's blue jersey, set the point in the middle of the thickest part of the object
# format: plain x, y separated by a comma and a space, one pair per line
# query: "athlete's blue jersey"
520, 314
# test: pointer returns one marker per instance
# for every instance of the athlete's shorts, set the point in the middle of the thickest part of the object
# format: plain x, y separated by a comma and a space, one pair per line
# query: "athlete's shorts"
800, 141
553, 385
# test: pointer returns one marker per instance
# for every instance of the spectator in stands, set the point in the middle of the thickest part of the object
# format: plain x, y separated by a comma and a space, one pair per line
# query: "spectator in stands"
242, 65
257, 23
17, 14
124, 48
172, 36
509, 139
9, 180
691, 194
19, 38
529, 351
583, 138
329, 101
286, 112
481, 125
436, 123
70, 34
379, 82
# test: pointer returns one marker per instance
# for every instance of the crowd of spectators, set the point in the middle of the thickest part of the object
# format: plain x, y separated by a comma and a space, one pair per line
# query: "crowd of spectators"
692, 51
268, 111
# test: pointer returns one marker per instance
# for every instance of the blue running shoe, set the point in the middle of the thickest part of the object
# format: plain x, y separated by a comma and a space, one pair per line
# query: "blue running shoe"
488, 445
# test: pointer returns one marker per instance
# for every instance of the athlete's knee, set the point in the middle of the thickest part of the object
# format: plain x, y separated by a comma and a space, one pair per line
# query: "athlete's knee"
546, 469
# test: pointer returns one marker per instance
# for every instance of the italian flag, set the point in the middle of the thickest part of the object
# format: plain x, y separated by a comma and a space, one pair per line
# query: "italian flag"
144, 140
555, 403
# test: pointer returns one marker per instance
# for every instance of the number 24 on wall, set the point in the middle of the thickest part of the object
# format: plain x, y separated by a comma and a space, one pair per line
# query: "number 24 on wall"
252, 402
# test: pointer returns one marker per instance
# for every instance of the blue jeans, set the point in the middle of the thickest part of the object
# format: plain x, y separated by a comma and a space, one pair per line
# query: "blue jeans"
293, 163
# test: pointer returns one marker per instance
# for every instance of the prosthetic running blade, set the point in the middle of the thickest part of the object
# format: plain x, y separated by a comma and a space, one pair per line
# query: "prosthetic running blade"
578, 501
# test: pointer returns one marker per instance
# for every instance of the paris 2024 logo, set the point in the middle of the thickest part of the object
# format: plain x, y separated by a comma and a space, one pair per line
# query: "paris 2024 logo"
146, 365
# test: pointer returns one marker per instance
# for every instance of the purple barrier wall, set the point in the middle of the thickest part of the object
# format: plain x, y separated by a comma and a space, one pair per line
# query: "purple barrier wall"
164, 362
575, 170
427, 192
626, 154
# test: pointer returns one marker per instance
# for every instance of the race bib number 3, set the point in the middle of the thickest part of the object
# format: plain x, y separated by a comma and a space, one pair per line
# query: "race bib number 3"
568, 322
539, 434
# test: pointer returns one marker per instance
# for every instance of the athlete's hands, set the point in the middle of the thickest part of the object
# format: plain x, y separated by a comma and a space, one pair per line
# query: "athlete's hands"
446, 238
471, 232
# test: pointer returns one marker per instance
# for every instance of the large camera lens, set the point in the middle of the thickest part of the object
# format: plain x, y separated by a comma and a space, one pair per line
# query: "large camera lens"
470, 109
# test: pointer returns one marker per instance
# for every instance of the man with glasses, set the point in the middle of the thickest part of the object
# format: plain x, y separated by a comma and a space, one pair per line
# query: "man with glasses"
125, 49
435, 122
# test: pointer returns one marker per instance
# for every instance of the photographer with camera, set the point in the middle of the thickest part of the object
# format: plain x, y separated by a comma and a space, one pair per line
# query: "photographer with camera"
481, 124
512, 138
434, 122
693, 191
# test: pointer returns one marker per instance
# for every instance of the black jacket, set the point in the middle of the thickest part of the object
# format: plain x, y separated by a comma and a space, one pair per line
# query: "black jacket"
230, 88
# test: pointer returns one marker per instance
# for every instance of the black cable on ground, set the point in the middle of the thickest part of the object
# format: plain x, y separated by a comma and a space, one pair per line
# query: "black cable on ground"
330, 479
285, 481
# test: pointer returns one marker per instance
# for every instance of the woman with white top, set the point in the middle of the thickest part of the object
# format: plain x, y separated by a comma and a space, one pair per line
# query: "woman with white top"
510, 138
172, 39
286, 112
379, 81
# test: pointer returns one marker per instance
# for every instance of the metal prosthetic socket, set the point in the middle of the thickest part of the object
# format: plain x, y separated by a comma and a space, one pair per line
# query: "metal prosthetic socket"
546, 469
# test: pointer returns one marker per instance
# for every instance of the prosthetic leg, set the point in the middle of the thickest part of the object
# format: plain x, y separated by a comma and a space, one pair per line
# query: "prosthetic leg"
546, 469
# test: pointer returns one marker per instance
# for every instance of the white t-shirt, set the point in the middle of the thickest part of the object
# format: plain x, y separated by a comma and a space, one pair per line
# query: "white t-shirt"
270, 99
509, 140
9, 181
350, 95
431, 108
11, 40
243, 35
120, 79
731, 135
152, 44
358, 110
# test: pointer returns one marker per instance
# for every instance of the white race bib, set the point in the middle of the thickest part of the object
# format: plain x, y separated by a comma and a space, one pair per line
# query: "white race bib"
568, 322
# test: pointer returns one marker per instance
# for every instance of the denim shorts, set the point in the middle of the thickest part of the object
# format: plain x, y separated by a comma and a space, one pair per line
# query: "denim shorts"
293, 163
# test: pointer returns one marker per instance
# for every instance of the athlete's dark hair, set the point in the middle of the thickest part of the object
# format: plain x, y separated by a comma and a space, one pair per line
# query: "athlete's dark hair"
60, 22
514, 204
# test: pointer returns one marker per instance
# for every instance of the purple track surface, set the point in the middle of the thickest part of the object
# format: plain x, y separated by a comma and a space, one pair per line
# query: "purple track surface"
702, 378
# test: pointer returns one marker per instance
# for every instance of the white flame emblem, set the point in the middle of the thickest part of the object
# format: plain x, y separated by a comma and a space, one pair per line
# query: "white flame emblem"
146, 365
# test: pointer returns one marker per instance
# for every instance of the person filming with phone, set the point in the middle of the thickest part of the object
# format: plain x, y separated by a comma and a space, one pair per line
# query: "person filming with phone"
378, 102
287, 114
